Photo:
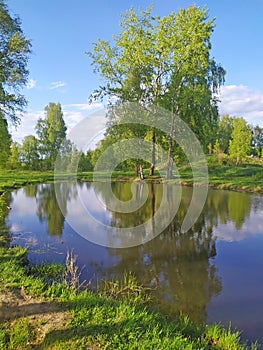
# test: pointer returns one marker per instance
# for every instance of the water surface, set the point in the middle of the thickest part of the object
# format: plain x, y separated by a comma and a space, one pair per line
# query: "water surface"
213, 273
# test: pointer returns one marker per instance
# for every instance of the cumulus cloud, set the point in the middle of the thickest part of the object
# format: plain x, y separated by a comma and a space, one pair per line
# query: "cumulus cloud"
57, 84
31, 84
27, 126
73, 114
241, 101
86, 124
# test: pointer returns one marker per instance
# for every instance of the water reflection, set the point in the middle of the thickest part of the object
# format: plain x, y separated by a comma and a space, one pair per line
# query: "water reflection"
221, 207
179, 264
185, 267
111, 222
48, 210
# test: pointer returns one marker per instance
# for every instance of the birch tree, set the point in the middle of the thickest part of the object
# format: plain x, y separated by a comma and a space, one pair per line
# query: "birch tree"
164, 62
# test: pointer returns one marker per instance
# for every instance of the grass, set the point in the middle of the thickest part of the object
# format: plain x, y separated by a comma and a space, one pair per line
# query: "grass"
247, 178
20, 334
10, 179
50, 313
248, 175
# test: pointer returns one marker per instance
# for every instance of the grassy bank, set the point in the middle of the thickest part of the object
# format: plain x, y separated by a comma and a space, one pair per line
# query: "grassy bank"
10, 179
42, 308
247, 177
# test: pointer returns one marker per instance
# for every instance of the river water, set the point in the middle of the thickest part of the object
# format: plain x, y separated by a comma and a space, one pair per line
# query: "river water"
212, 273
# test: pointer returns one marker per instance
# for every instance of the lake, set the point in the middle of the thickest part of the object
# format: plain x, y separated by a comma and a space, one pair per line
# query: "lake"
213, 272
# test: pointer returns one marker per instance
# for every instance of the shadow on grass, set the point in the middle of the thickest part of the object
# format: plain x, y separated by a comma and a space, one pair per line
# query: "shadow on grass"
88, 334
11, 312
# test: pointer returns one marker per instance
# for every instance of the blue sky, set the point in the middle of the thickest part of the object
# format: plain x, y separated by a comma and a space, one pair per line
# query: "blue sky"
63, 30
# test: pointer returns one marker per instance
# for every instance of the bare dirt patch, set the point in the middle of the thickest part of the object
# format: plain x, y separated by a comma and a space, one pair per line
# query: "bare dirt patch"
43, 316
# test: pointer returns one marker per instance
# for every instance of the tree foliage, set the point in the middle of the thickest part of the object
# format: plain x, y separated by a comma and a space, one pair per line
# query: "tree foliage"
29, 152
164, 62
13, 161
51, 132
257, 140
5, 142
85, 163
14, 54
240, 144
49, 148
225, 129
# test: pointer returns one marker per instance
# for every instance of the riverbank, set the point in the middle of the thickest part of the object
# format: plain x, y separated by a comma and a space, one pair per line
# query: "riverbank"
43, 308
246, 178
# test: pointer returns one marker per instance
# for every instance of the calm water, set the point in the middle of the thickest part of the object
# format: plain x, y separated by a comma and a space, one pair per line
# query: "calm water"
213, 273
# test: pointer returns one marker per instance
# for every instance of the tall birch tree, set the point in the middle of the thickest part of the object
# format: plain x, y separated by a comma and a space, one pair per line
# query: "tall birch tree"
164, 62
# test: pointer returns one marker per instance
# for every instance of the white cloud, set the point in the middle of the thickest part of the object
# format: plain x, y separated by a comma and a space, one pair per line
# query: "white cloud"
85, 129
73, 114
253, 226
57, 84
241, 101
31, 84
14, 228
84, 106
72, 117
27, 126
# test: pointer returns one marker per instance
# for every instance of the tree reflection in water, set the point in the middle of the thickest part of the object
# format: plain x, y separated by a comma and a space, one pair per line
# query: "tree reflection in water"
48, 209
179, 264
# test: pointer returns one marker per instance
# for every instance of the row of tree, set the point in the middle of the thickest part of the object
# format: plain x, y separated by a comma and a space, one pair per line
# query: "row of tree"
163, 62
48, 146
236, 140
232, 142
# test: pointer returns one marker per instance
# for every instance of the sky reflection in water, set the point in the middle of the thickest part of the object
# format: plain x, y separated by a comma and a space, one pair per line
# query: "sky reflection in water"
212, 273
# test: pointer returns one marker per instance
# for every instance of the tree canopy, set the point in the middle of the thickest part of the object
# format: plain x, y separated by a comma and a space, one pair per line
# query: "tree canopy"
29, 152
14, 55
51, 132
5, 142
164, 62
240, 144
